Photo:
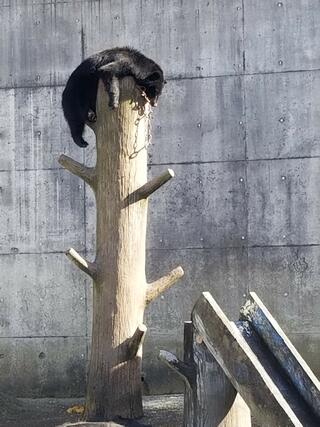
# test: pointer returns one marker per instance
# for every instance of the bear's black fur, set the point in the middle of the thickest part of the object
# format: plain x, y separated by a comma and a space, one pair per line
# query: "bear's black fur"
79, 95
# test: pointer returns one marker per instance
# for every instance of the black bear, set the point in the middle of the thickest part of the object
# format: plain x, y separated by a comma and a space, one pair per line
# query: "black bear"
80, 93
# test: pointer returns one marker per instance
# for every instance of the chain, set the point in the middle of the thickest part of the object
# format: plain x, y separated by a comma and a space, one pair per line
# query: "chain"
147, 116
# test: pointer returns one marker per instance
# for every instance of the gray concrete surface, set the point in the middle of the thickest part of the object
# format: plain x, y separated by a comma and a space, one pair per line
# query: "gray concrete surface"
239, 122
159, 411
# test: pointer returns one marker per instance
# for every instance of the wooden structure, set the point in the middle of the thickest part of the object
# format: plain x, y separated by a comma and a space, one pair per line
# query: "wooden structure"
120, 292
210, 399
259, 362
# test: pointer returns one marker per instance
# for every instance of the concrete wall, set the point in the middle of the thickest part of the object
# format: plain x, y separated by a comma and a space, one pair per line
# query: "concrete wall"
239, 123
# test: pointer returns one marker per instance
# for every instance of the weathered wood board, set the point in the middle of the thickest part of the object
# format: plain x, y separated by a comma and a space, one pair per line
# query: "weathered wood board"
243, 368
261, 320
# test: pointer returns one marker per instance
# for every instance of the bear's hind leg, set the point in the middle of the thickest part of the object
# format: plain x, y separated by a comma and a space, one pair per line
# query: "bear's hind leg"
76, 129
91, 95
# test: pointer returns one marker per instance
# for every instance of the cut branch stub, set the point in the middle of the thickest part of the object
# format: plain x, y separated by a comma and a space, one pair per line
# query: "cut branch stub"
156, 288
135, 345
88, 267
86, 173
150, 187
183, 369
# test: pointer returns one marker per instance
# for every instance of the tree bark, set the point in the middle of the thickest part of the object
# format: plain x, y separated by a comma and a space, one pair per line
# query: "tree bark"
251, 369
118, 272
114, 383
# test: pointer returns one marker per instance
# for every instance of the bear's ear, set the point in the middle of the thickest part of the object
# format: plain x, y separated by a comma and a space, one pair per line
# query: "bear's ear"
153, 77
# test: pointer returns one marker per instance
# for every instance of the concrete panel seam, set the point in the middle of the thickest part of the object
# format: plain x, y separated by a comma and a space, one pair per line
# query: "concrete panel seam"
35, 253
199, 162
42, 336
174, 78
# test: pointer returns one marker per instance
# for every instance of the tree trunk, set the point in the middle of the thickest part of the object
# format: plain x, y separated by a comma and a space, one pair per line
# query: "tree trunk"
120, 292
114, 383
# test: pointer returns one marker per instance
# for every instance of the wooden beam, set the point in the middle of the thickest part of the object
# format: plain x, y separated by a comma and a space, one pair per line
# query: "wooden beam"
210, 400
288, 391
261, 320
242, 366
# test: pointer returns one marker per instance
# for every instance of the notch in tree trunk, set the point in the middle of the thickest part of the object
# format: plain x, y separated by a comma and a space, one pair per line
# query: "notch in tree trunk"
120, 291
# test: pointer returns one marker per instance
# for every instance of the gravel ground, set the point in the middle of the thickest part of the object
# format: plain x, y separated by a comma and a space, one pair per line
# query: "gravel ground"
160, 411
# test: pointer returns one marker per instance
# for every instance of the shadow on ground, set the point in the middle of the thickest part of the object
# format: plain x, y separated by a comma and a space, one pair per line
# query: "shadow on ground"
160, 411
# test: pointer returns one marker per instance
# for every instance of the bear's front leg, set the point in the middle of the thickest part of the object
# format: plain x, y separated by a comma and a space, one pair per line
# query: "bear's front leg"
114, 92
111, 83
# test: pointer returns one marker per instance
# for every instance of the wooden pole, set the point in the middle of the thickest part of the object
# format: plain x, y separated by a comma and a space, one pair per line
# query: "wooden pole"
119, 181
210, 400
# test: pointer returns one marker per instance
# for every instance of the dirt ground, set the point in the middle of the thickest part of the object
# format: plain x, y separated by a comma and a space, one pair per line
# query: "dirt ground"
160, 411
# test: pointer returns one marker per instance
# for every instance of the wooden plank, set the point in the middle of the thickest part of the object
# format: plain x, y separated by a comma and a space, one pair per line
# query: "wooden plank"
210, 400
241, 365
278, 376
255, 312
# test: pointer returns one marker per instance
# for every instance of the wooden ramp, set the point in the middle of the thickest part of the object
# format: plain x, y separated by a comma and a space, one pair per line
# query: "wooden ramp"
260, 362
231, 367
